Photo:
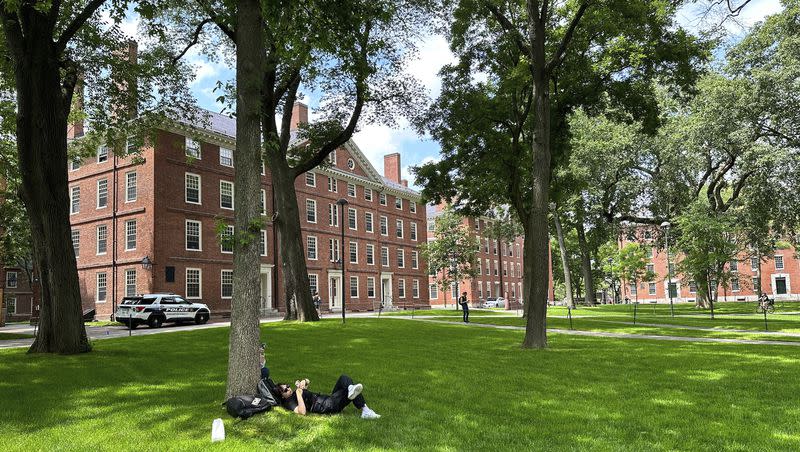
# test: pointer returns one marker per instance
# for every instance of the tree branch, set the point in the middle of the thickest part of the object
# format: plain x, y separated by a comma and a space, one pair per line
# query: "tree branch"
509, 28
562, 47
77, 23
223, 27
194, 41
13, 31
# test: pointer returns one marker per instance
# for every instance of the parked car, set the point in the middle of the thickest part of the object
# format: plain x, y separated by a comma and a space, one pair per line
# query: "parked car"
157, 309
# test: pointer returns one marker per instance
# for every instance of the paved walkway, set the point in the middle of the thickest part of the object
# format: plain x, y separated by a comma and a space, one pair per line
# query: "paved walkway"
609, 334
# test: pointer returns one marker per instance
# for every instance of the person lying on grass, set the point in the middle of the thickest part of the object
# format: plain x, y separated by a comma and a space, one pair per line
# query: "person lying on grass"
302, 401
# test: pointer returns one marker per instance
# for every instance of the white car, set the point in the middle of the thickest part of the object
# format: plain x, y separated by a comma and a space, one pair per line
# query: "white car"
493, 302
159, 308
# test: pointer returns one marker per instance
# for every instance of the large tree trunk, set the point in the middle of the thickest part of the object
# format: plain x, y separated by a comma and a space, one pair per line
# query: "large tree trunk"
536, 239
564, 260
42, 110
295, 272
586, 263
245, 334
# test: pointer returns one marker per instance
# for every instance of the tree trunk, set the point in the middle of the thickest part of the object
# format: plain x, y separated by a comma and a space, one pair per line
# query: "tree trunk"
245, 333
564, 261
42, 110
536, 239
586, 263
295, 272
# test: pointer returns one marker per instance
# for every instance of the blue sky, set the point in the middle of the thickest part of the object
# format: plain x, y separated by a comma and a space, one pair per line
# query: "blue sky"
377, 140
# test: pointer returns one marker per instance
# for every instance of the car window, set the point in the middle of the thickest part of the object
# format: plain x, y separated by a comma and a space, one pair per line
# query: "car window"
180, 300
138, 300
166, 300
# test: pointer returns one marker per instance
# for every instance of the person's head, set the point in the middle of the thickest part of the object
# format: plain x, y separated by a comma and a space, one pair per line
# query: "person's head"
284, 389
316, 293
464, 294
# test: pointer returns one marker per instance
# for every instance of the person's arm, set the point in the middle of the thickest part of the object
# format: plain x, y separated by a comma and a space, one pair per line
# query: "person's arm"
301, 404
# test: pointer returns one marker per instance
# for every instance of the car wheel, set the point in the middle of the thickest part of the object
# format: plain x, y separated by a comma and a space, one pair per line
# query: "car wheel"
201, 318
155, 321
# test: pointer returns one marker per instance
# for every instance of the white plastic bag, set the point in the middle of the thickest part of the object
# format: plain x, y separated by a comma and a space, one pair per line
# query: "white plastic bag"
217, 430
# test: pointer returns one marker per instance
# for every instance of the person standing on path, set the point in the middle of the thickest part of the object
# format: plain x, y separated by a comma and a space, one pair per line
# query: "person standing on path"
464, 306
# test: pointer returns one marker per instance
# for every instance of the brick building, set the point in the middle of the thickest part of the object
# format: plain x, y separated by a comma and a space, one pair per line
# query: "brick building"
780, 276
168, 204
499, 267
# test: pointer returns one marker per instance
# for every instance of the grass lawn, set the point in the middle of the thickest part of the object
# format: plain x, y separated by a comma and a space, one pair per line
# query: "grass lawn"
10, 336
438, 387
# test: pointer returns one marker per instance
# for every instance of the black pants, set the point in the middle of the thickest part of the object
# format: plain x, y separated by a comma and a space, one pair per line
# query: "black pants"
338, 400
465, 311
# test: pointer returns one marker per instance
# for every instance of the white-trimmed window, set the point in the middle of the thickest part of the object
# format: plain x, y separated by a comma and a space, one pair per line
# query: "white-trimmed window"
311, 247
131, 146
480, 267
353, 252
354, 287
477, 224
415, 288
226, 239
76, 241
631, 288
352, 218
382, 199
385, 256
692, 287
102, 193
130, 235
194, 283
311, 211
193, 149
333, 246
401, 258
519, 271
414, 231
368, 226
370, 254
351, 164
494, 247
413, 206
398, 228
496, 268
351, 190
12, 279
734, 265
384, 225
505, 268
401, 288
226, 194
414, 260
332, 157
75, 200
650, 268
263, 168
651, 288
226, 284
333, 215
193, 239
778, 262
432, 228
488, 268
367, 194
192, 182
311, 179
262, 245
100, 294
516, 245
226, 157
313, 283
11, 305
754, 263
332, 185
370, 287
433, 291
131, 190
102, 154
511, 269
102, 239
735, 284
398, 203
263, 202
130, 282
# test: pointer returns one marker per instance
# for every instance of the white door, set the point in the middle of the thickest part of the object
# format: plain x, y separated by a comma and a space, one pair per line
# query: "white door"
386, 292
334, 292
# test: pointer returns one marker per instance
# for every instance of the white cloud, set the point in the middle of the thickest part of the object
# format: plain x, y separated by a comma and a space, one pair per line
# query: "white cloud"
377, 140
434, 52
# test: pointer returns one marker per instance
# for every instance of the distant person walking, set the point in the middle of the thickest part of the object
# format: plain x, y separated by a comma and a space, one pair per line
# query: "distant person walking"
464, 306
317, 301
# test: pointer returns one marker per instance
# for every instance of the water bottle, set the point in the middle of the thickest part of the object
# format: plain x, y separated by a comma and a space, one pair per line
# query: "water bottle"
217, 430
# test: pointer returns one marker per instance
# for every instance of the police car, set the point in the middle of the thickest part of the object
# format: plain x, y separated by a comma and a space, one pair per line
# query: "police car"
159, 308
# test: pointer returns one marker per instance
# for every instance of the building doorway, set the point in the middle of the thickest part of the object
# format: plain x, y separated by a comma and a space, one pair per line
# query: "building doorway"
335, 292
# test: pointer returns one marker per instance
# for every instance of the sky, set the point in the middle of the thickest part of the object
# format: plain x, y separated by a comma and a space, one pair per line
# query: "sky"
378, 140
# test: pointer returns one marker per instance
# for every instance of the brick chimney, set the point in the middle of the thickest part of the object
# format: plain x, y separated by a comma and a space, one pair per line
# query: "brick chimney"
75, 129
391, 167
299, 115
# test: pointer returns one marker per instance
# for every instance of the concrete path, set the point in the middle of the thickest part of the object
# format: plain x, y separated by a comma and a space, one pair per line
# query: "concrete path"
609, 334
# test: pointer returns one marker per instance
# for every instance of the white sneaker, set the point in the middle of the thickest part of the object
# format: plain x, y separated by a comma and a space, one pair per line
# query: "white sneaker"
367, 413
354, 390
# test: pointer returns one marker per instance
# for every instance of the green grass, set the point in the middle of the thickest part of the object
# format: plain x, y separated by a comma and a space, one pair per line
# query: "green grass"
439, 312
10, 336
103, 323
438, 387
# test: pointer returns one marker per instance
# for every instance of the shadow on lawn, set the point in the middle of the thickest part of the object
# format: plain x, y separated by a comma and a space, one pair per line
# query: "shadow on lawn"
437, 387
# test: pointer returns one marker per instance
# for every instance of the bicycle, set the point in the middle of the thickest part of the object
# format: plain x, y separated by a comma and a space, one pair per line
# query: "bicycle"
767, 304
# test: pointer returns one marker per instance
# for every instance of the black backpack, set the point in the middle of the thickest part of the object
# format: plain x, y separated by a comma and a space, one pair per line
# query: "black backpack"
246, 406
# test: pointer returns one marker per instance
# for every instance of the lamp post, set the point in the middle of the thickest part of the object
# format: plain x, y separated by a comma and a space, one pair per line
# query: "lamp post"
666, 226
454, 271
342, 202
611, 280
